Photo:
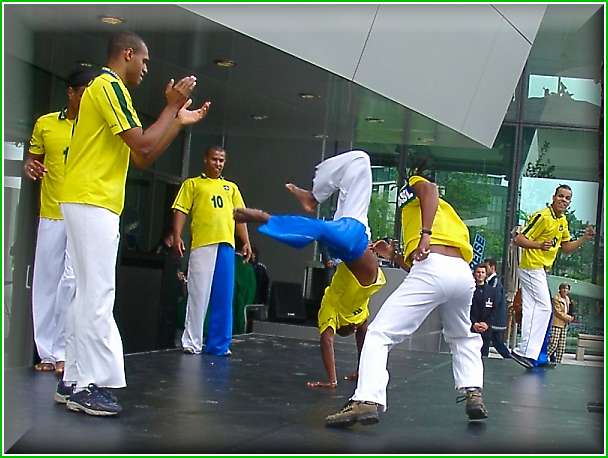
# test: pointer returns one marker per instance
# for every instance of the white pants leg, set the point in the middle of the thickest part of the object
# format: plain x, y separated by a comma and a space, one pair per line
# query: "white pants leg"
439, 281
200, 278
351, 174
65, 295
536, 311
93, 345
53, 286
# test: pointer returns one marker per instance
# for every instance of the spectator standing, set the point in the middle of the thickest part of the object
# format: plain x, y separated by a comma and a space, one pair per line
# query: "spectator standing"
482, 308
499, 324
562, 316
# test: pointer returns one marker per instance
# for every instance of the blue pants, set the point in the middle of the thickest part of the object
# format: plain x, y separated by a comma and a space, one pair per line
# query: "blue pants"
219, 335
346, 238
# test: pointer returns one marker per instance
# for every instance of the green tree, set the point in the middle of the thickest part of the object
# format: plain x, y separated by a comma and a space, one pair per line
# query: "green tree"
381, 217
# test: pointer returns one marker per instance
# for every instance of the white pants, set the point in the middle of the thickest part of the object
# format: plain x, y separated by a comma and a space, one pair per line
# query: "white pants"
93, 345
536, 311
438, 281
201, 267
52, 290
351, 174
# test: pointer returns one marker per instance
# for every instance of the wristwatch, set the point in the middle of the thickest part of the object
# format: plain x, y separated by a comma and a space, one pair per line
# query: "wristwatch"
426, 231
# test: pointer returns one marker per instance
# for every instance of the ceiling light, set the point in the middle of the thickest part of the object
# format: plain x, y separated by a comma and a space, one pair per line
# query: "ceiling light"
320, 136
259, 117
307, 96
224, 63
112, 20
373, 120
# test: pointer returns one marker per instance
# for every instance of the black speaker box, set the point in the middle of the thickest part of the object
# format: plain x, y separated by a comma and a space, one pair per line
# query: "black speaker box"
286, 302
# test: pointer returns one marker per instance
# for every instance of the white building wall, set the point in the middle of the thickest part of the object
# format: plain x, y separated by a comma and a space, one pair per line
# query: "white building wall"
457, 64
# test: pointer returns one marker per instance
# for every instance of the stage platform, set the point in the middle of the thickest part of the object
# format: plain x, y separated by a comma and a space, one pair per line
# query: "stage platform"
256, 401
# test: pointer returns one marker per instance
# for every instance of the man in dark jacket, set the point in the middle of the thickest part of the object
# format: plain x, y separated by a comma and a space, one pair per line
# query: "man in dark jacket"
500, 316
482, 308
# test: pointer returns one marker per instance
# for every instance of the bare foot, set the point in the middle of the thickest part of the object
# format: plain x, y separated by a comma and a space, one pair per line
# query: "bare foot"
305, 197
250, 215
319, 384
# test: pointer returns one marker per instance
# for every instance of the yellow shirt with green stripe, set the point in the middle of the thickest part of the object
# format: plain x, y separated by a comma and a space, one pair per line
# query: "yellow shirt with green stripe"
544, 225
209, 202
98, 158
51, 138
448, 229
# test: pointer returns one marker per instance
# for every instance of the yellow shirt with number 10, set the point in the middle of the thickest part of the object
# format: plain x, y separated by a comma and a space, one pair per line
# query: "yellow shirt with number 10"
209, 202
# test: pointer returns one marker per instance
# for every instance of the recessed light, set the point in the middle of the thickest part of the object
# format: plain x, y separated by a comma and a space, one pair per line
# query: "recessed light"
112, 20
373, 120
320, 136
259, 117
308, 96
224, 63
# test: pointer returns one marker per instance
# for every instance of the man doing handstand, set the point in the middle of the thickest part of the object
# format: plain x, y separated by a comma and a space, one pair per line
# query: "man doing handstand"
344, 307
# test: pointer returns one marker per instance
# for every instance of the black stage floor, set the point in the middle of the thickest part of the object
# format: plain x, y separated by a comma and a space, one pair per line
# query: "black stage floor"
256, 402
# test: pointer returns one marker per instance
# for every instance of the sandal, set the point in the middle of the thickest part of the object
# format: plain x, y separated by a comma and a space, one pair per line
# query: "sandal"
44, 367
59, 367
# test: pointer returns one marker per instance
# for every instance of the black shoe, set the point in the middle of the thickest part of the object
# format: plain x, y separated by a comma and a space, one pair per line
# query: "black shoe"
474, 406
63, 392
94, 401
522, 360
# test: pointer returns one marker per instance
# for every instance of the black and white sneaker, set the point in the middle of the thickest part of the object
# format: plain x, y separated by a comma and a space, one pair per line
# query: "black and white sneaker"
63, 392
94, 401
522, 360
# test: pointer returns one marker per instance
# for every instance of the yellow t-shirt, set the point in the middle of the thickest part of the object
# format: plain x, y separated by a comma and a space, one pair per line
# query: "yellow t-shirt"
51, 138
345, 301
209, 202
98, 158
544, 225
448, 229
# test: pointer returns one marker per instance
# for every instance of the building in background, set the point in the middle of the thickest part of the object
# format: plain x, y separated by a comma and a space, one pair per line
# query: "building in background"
501, 119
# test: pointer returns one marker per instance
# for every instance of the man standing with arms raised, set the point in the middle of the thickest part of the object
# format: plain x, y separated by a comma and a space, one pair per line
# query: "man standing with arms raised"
107, 134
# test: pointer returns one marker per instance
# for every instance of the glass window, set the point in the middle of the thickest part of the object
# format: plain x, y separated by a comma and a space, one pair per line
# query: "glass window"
383, 202
563, 71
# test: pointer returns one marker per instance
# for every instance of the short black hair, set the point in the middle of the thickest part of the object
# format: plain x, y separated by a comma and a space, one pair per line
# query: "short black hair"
214, 148
123, 40
562, 186
481, 266
81, 75
490, 262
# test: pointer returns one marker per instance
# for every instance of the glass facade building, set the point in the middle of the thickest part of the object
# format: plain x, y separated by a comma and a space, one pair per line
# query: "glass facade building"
278, 116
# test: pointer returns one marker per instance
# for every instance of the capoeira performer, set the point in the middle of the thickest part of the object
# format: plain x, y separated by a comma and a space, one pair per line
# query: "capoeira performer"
437, 248
541, 239
209, 199
344, 307
53, 284
107, 137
